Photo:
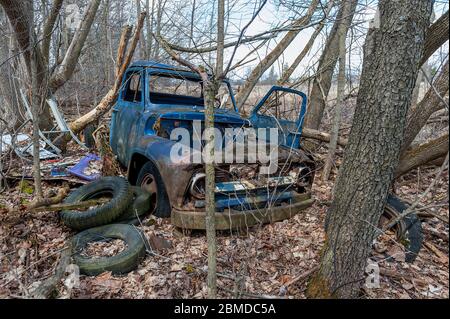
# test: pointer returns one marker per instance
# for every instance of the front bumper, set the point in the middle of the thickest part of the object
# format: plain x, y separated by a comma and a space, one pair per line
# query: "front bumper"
233, 219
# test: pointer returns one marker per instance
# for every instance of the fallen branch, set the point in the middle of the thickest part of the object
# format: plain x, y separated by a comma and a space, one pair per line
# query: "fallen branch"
48, 286
302, 276
423, 154
62, 193
442, 257
73, 206
107, 101
321, 136
43, 202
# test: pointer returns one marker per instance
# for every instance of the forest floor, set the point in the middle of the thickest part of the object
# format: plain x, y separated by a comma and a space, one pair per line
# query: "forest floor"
266, 261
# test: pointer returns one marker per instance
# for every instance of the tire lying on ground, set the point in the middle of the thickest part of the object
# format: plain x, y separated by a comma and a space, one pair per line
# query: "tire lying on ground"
115, 187
408, 230
125, 261
140, 206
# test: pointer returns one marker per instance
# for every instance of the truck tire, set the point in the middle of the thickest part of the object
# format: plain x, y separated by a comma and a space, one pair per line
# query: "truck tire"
408, 229
150, 180
121, 196
140, 206
123, 262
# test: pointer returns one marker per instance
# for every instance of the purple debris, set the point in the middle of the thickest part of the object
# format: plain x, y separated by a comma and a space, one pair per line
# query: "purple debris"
79, 169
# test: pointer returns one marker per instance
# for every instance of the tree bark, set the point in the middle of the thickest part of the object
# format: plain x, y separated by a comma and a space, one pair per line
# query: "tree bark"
267, 62
327, 62
372, 153
422, 154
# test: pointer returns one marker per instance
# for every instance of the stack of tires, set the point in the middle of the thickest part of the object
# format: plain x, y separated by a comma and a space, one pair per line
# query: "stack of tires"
114, 219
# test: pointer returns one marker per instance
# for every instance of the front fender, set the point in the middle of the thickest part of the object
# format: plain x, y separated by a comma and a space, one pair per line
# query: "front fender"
176, 176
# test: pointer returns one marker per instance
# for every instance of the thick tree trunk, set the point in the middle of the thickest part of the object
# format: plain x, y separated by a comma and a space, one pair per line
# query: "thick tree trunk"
372, 153
327, 62
423, 154
267, 62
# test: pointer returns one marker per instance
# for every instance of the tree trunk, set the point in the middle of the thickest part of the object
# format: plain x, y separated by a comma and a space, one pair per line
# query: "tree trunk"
65, 70
422, 154
149, 28
436, 36
339, 104
431, 102
9, 104
327, 62
37, 89
372, 153
267, 62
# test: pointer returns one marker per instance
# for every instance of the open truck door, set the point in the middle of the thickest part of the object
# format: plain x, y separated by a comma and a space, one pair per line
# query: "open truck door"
284, 109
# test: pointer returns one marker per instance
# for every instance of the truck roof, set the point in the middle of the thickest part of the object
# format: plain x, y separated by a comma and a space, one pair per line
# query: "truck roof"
158, 65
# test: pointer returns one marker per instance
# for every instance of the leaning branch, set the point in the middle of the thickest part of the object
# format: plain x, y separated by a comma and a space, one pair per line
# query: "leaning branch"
105, 104
67, 67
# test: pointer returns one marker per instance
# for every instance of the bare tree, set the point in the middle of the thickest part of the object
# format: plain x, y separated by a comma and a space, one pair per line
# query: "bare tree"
342, 30
64, 69
322, 81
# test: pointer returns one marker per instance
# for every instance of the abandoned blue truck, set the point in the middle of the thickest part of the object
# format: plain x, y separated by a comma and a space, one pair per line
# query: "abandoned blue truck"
155, 99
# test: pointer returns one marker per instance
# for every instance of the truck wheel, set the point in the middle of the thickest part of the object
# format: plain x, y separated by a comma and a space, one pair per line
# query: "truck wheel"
123, 262
141, 205
115, 187
408, 230
150, 180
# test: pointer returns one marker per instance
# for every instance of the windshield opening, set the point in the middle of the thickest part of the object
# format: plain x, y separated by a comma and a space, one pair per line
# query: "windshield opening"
179, 90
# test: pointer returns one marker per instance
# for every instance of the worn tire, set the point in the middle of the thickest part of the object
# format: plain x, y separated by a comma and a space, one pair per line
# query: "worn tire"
140, 206
408, 230
163, 208
123, 262
121, 193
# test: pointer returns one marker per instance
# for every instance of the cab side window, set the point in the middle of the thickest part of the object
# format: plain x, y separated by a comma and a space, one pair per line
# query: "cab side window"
133, 87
